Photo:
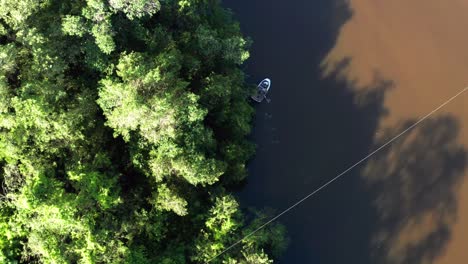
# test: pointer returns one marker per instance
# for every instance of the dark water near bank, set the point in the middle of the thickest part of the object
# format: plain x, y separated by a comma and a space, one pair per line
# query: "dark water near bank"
311, 131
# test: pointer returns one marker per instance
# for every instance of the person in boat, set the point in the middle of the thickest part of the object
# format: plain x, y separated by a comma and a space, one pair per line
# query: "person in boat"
265, 85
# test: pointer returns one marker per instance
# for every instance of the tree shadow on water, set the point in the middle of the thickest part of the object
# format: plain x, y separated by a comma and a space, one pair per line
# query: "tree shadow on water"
335, 225
316, 127
413, 182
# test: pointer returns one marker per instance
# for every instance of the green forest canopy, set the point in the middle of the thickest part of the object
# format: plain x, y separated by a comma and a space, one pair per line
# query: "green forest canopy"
122, 128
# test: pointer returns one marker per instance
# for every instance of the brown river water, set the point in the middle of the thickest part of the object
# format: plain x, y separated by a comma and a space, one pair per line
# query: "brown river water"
422, 47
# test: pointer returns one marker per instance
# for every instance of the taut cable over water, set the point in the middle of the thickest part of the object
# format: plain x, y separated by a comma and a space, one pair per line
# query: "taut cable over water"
343, 173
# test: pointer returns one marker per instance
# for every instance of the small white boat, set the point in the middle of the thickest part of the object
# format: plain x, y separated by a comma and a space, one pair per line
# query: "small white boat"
262, 90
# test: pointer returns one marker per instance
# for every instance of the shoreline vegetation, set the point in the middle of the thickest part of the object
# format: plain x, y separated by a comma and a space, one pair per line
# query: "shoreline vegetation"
123, 129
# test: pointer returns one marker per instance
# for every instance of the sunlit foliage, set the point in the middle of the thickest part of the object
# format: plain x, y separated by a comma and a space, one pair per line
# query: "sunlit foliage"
122, 128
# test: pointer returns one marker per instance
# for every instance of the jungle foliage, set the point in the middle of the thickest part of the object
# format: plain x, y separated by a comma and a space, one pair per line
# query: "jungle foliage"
122, 130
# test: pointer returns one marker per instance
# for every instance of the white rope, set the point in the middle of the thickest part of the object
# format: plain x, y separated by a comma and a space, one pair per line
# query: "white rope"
341, 174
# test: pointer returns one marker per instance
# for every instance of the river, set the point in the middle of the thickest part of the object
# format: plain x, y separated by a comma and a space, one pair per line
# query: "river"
346, 76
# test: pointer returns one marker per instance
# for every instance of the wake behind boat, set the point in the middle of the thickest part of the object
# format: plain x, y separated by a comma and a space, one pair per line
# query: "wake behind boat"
262, 90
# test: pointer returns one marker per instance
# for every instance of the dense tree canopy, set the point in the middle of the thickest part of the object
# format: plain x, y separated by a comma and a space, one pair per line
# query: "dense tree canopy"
122, 128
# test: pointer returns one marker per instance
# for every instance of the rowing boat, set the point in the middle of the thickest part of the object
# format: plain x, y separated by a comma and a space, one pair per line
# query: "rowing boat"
262, 90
